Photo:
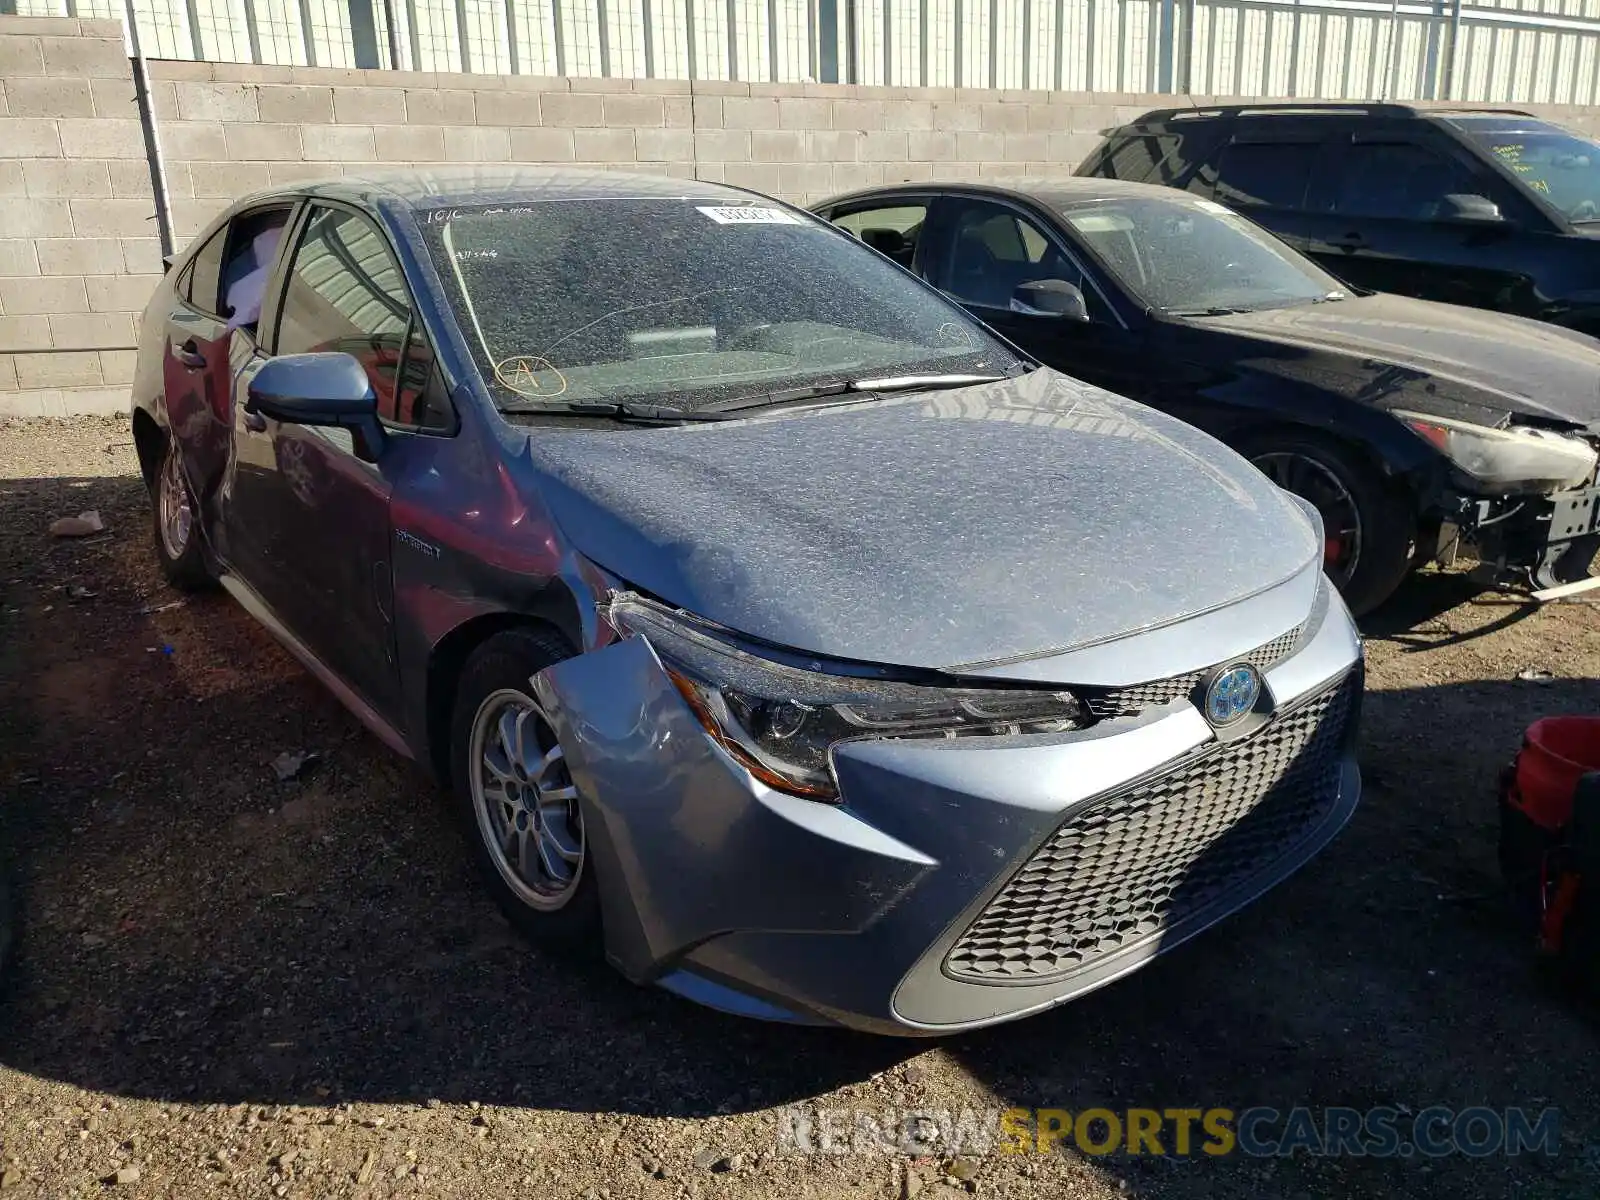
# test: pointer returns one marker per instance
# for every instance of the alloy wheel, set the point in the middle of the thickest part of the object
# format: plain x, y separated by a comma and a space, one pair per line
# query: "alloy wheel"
1312, 480
525, 801
175, 510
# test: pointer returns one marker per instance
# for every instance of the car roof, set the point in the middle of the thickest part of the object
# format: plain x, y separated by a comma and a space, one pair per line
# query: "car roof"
425, 188
1055, 193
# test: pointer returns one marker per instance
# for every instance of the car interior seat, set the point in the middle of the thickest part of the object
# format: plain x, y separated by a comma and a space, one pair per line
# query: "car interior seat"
245, 276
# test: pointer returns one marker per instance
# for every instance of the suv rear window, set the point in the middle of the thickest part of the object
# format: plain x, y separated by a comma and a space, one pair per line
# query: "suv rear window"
1265, 174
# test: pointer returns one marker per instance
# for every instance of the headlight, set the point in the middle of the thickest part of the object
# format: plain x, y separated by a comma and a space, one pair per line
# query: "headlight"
780, 722
1517, 459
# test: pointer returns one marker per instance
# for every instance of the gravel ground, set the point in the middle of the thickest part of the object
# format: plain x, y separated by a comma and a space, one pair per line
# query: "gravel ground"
232, 985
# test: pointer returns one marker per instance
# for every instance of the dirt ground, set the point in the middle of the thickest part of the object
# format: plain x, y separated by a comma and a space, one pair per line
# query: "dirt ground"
233, 985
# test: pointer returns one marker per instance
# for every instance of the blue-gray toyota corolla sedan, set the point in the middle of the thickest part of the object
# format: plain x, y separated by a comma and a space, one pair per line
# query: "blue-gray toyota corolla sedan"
776, 628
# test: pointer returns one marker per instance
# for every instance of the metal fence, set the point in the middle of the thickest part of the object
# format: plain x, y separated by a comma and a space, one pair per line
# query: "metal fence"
1532, 51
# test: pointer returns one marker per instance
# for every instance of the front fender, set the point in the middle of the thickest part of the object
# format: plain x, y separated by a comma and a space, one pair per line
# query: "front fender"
685, 844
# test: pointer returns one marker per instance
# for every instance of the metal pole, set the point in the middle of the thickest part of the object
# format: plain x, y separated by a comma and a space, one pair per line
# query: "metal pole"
852, 73
1394, 46
307, 37
649, 41
1166, 52
733, 39
922, 43
1452, 63
888, 43
1061, 43
194, 29
691, 34
1027, 43
363, 33
513, 53
994, 45
394, 35
461, 36
559, 36
813, 19
955, 39
603, 32
828, 41
772, 40
251, 31
152, 137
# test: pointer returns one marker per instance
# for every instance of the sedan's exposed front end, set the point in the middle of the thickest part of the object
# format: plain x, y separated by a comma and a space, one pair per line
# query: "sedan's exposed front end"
1525, 495
982, 860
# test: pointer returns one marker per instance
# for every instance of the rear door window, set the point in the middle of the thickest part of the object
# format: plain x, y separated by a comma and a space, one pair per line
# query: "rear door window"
1398, 180
1265, 174
200, 280
893, 231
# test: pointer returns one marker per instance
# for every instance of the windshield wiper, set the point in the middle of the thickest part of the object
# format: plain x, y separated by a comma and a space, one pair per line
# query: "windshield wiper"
617, 410
1216, 310
847, 387
661, 414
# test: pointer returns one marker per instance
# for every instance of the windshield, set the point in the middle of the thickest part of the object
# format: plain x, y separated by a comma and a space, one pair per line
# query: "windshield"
1194, 256
1563, 168
683, 303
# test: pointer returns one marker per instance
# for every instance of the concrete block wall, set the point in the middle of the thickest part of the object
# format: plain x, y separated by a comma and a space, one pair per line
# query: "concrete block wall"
78, 246
228, 129
78, 252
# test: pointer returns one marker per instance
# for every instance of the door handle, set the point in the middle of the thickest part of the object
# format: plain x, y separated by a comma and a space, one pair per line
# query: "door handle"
189, 355
254, 421
1350, 241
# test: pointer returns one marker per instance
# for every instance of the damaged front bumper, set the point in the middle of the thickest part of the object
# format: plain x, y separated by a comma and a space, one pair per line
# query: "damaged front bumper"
1545, 540
956, 883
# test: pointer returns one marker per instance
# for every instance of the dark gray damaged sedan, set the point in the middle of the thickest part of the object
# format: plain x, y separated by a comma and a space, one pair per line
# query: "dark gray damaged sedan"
774, 626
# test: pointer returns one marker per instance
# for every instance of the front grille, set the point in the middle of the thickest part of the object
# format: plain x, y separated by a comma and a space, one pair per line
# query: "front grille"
1145, 861
1132, 700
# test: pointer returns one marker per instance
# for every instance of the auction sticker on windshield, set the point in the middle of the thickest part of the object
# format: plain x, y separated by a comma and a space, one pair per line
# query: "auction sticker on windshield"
747, 214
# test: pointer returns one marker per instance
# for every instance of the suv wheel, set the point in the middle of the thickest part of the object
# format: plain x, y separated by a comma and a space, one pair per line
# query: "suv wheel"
515, 795
1369, 524
177, 519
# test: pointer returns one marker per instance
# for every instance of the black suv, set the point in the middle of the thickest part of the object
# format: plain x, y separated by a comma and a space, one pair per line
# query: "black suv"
1490, 208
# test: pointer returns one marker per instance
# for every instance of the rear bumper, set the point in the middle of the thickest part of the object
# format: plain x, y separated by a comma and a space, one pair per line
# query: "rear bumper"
776, 907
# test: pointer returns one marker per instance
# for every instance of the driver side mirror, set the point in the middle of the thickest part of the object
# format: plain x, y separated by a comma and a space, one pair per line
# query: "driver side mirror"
1473, 209
1050, 298
326, 389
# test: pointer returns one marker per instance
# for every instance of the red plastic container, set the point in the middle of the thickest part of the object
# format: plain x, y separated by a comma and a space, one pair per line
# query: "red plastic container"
1556, 753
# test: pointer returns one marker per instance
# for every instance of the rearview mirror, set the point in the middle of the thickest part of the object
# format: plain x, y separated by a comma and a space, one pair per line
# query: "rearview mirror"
1471, 208
1050, 298
327, 389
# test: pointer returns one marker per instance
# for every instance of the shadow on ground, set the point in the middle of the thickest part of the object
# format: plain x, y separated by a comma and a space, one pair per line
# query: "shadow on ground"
196, 929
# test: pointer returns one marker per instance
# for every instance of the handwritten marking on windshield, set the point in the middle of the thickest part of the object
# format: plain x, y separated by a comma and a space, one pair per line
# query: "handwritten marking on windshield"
521, 373
475, 255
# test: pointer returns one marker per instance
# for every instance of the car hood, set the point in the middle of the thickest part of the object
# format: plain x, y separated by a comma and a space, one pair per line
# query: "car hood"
945, 530
1478, 359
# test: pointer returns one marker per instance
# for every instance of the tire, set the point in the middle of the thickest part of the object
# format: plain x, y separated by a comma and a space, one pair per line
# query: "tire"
523, 825
179, 547
1371, 524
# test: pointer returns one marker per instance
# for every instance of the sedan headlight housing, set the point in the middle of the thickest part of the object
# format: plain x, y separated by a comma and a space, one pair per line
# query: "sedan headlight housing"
1518, 459
781, 722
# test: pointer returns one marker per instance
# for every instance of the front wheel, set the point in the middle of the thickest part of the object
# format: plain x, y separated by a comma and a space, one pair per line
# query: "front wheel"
1369, 524
515, 796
